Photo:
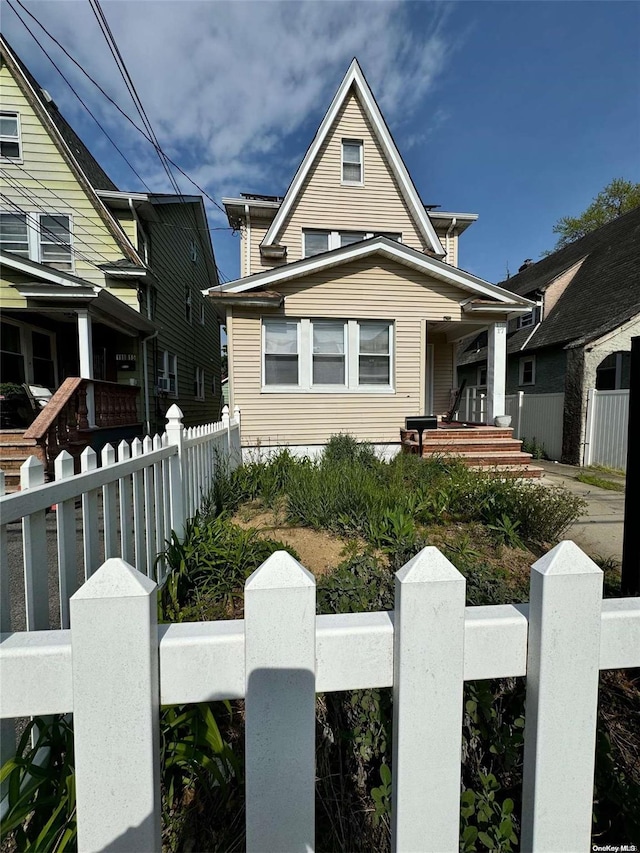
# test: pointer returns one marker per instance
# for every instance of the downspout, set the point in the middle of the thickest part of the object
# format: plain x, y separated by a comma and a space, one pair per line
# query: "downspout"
248, 247
450, 229
132, 208
146, 380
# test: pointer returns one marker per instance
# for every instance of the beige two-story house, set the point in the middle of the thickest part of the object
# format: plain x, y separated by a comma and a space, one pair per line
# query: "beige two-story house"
350, 299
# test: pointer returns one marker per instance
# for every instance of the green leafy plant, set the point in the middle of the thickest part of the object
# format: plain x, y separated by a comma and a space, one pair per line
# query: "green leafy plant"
40, 800
600, 482
382, 795
506, 532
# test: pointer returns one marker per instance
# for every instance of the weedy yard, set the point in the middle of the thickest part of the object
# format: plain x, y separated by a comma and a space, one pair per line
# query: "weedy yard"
353, 520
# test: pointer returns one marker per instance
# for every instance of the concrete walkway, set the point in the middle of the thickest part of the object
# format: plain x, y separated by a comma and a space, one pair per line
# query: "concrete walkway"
599, 531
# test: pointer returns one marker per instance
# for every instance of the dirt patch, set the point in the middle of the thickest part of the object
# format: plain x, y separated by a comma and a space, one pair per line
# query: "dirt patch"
319, 551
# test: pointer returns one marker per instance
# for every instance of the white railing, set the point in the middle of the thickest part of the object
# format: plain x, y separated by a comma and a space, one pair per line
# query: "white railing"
139, 494
606, 431
473, 406
539, 417
115, 667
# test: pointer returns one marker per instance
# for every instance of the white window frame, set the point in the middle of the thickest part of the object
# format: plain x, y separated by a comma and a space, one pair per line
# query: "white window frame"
29, 229
305, 358
481, 369
523, 362
26, 350
334, 238
18, 139
360, 143
525, 321
34, 236
169, 368
265, 324
188, 305
345, 345
199, 382
202, 311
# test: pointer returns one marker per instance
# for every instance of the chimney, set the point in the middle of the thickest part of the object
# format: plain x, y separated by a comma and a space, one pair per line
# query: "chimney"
526, 263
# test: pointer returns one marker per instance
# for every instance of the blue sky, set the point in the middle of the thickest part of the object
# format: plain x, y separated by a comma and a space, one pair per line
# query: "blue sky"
518, 111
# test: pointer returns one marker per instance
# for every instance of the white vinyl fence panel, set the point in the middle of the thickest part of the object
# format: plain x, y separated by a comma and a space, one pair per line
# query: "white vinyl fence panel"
282, 654
539, 417
607, 428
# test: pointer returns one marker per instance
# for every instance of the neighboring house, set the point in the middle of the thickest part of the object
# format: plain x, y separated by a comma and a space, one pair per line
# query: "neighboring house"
350, 301
97, 284
579, 335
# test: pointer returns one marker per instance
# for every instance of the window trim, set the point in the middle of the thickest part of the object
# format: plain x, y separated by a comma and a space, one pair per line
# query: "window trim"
350, 141
345, 355
530, 319
188, 305
199, 383
334, 238
203, 318
305, 358
5, 138
524, 361
168, 360
34, 236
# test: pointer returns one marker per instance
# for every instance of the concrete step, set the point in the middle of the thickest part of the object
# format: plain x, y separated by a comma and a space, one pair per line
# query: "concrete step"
484, 431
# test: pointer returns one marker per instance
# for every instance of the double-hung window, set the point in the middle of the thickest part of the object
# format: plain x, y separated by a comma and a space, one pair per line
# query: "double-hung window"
327, 355
352, 161
10, 147
168, 373
528, 371
374, 353
280, 347
315, 241
42, 237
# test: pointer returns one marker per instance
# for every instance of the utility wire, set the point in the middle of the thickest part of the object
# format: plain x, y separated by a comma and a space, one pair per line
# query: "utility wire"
144, 133
108, 97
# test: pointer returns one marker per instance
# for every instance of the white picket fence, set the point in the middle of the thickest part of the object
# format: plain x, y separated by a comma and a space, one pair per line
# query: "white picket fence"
115, 667
140, 493
606, 433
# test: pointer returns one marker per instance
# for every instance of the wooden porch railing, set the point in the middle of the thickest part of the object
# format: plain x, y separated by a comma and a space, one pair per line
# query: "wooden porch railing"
63, 423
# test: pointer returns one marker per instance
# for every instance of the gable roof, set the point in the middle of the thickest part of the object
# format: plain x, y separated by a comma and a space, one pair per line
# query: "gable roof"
84, 166
603, 293
387, 248
354, 78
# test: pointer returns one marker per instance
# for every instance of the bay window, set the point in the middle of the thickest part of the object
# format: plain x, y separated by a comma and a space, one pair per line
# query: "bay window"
327, 355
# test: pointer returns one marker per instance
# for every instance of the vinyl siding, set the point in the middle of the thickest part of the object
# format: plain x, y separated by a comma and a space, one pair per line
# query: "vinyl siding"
195, 345
359, 290
325, 203
450, 245
42, 163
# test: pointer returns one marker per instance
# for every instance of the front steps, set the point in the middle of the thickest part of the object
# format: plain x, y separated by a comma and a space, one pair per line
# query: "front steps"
483, 448
14, 450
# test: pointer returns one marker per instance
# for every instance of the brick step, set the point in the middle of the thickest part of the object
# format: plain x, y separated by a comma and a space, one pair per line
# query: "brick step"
489, 458
8, 451
12, 463
476, 432
524, 471
11, 482
467, 446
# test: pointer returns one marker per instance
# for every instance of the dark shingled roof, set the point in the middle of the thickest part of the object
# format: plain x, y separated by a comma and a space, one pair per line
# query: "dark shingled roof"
603, 294
94, 172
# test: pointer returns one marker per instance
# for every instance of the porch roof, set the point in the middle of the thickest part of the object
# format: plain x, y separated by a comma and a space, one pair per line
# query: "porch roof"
497, 296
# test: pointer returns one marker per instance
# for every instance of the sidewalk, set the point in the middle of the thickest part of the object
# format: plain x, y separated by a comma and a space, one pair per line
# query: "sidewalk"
599, 531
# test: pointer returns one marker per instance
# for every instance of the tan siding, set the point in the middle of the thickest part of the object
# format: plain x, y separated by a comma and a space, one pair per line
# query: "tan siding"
325, 203
450, 245
358, 290
43, 164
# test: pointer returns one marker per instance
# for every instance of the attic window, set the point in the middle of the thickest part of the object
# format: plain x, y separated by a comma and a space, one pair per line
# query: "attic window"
352, 161
10, 136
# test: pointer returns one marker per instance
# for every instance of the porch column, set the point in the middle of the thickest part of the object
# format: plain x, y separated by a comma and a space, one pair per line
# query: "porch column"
496, 370
85, 350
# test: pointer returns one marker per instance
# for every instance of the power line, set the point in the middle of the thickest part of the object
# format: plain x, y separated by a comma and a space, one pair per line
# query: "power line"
145, 134
108, 97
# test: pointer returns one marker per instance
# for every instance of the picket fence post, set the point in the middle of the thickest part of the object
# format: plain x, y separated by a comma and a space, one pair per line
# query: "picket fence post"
280, 652
562, 701
66, 534
226, 423
34, 547
116, 710
427, 700
520, 404
175, 435
589, 433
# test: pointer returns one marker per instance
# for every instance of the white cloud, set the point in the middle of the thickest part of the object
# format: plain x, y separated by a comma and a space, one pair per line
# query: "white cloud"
227, 84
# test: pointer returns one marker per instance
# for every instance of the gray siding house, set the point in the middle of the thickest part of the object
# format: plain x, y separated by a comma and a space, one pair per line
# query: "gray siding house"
579, 335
